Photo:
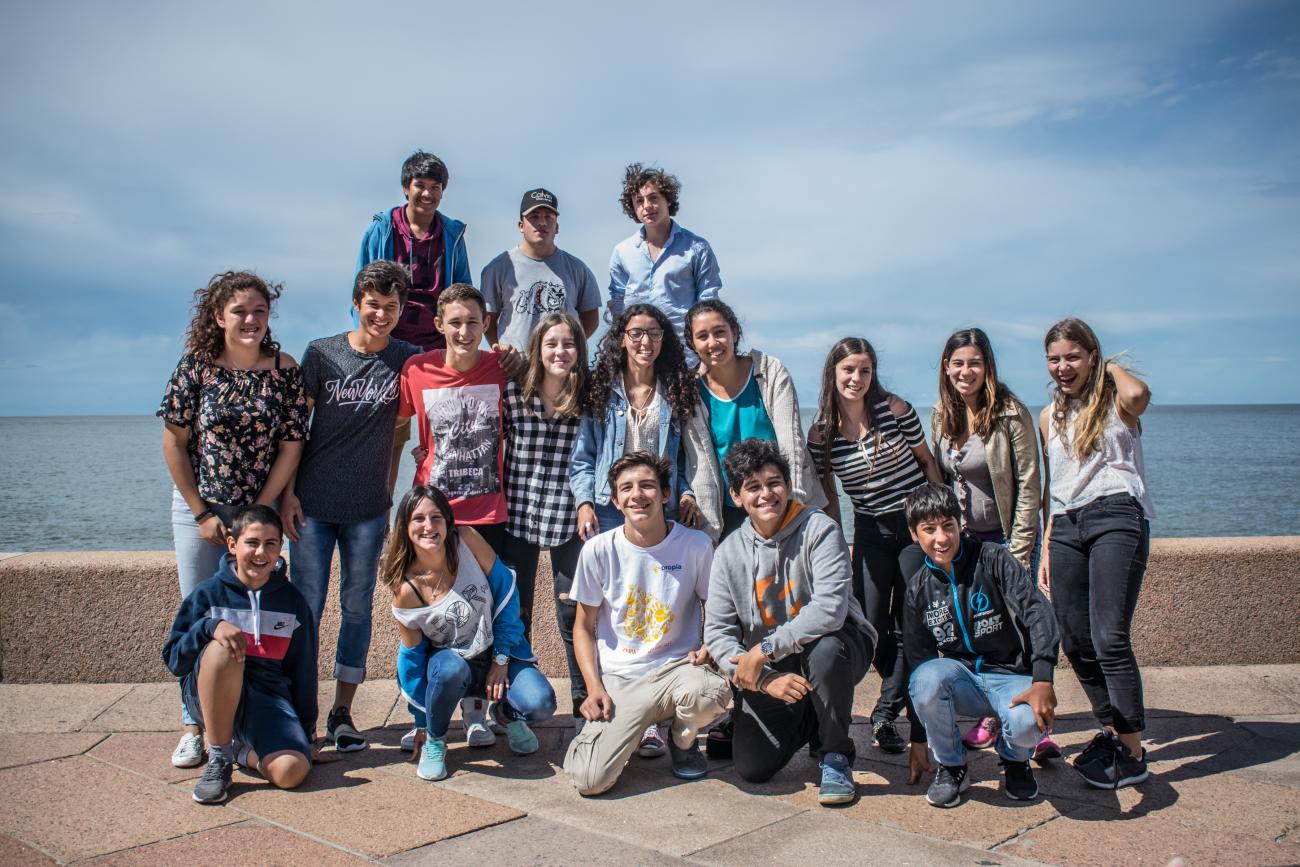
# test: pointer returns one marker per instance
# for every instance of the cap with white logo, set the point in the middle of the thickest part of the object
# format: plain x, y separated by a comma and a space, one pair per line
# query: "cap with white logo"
538, 198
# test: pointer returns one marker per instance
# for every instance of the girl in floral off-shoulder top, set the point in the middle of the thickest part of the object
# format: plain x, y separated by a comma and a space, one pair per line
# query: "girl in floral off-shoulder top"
234, 420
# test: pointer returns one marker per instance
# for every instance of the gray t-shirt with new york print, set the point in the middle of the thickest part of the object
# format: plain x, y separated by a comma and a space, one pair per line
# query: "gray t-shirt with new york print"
343, 475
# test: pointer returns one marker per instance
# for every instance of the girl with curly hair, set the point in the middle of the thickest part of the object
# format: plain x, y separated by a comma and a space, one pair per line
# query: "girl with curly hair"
1097, 539
640, 396
234, 420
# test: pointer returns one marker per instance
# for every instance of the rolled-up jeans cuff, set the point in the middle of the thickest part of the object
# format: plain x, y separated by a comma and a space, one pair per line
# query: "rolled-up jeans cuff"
349, 673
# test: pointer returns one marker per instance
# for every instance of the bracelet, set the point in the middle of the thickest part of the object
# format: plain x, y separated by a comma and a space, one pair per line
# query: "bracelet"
203, 516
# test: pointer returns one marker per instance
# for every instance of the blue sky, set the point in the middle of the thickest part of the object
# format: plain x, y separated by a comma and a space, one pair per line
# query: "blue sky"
889, 170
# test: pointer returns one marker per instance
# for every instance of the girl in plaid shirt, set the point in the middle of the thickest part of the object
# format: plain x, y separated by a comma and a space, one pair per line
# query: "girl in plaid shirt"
542, 411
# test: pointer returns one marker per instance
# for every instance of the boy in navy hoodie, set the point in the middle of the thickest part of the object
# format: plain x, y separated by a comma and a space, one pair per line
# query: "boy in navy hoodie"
244, 647
979, 640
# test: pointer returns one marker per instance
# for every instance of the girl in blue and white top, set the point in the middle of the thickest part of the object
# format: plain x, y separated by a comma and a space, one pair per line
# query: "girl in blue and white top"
1095, 549
457, 612
742, 396
871, 440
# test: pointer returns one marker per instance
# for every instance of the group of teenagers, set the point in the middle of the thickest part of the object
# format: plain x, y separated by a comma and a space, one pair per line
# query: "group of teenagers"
702, 580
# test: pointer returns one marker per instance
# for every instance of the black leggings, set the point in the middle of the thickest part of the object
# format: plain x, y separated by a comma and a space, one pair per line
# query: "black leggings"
522, 556
884, 557
1097, 558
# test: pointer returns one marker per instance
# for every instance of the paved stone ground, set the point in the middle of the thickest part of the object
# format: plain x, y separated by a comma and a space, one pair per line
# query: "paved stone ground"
85, 777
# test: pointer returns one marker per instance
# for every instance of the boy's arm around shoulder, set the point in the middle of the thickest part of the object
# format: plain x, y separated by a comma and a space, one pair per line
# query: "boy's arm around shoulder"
723, 633
831, 570
191, 631
1028, 605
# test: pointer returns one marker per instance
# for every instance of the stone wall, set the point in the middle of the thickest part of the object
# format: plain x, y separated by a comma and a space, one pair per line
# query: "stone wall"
95, 617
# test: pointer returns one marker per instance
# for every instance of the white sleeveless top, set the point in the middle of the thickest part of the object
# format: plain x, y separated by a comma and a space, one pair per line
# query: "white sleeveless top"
460, 620
1116, 467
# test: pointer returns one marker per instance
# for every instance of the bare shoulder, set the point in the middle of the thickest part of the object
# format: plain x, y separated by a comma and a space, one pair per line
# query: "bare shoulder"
287, 361
898, 406
478, 546
404, 597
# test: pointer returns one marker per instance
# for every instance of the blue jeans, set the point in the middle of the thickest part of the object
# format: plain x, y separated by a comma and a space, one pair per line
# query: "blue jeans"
944, 689
359, 545
197, 559
452, 677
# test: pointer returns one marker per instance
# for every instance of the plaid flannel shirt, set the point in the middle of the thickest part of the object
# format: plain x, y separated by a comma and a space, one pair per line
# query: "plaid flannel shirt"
538, 452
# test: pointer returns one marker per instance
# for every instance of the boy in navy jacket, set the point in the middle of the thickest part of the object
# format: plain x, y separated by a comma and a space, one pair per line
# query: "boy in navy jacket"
244, 646
979, 640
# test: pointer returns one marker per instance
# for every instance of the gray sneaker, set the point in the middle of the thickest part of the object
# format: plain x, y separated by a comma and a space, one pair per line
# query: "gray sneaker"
689, 763
949, 782
211, 787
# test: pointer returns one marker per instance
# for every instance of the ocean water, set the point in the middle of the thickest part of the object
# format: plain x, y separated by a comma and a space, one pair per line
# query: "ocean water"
87, 483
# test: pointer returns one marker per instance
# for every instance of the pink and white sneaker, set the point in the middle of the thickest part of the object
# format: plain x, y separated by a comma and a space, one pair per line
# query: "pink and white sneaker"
983, 734
1046, 749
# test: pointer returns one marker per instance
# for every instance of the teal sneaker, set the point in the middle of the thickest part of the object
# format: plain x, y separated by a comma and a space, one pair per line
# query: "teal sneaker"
433, 760
837, 780
520, 737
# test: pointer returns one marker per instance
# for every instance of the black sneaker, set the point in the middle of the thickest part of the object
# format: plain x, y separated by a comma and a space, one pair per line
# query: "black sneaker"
340, 730
211, 787
1018, 780
885, 736
1114, 768
689, 763
1101, 745
949, 783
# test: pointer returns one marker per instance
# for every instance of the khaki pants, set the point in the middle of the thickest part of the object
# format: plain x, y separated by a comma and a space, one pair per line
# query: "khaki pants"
691, 695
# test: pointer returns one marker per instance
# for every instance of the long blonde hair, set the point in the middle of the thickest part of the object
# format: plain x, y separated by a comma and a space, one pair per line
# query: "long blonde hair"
1096, 397
399, 554
568, 403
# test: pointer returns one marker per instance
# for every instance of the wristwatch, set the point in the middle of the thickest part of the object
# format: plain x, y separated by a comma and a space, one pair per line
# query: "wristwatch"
501, 659
768, 649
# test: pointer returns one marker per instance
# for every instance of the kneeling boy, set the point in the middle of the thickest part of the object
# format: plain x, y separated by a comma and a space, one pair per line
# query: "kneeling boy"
783, 623
980, 640
637, 634
245, 650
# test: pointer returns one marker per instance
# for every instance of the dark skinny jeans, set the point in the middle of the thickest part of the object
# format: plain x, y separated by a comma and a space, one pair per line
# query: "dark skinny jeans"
768, 731
522, 556
1097, 557
884, 557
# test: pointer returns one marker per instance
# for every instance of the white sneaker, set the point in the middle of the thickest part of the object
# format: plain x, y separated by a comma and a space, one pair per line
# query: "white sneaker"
188, 752
408, 740
473, 713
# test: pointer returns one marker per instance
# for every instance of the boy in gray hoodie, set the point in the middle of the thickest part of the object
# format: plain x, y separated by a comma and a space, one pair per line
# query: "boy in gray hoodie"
783, 625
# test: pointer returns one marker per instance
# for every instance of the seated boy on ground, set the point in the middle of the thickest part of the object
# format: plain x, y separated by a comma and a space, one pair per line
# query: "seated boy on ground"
980, 640
639, 588
784, 625
244, 647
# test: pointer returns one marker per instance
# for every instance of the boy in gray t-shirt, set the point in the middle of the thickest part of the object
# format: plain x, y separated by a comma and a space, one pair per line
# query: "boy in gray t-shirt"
524, 284
340, 495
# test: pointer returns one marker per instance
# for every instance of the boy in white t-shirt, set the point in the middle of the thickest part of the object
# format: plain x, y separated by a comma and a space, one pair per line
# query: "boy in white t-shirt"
640, 589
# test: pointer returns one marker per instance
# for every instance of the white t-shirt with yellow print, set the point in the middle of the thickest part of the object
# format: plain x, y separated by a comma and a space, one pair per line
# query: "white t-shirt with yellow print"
649, 598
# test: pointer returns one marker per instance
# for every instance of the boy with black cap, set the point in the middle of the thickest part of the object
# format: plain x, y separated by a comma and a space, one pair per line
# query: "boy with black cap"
524, 284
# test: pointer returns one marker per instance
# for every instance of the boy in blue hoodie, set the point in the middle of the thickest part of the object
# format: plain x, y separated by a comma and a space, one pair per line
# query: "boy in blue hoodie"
244, 646
979, 640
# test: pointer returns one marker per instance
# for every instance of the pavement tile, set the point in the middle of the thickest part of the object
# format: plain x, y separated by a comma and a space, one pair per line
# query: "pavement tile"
368, 811
825, 838
147, 707
25, 749
55, 707
147, 753
47, 805
1215, 689
534, 841
985, 818
370, 708
244, 843
1093, 837
1281, 678
14, 853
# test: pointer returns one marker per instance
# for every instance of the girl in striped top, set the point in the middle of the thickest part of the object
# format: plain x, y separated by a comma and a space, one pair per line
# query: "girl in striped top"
871, 440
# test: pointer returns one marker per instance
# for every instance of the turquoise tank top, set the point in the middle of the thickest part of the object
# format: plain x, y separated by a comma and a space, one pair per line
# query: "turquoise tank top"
731, 421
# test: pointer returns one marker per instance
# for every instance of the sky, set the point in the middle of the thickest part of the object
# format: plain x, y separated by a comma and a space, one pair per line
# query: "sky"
887, 170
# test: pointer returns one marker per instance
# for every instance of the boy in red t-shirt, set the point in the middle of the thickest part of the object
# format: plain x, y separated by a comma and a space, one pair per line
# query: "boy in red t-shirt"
457, 395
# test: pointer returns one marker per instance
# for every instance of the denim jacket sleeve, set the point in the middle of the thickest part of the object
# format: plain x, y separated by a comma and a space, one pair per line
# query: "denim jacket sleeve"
582, 464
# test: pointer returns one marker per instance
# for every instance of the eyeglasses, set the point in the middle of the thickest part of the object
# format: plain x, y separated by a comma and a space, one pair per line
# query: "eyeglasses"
636, 335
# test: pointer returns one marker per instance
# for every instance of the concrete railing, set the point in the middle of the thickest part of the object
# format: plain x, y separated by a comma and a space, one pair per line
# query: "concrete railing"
94, 617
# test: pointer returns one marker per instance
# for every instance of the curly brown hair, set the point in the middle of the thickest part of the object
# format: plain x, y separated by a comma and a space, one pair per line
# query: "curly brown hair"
671, 372
637, 176
205, 339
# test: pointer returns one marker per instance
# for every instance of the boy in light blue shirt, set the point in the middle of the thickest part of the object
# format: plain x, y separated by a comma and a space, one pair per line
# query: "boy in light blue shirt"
662, 263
